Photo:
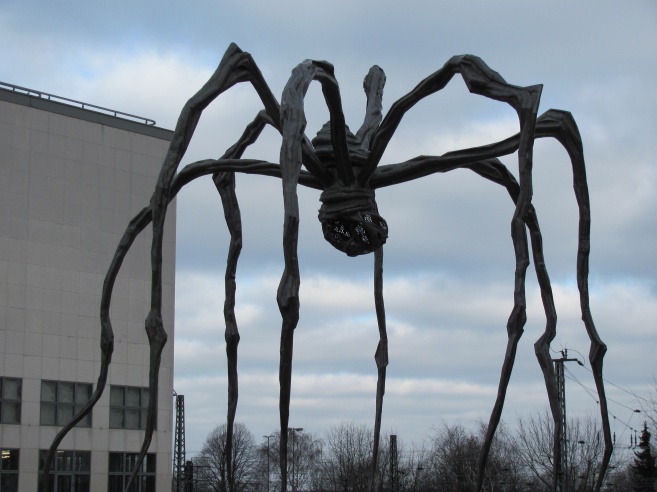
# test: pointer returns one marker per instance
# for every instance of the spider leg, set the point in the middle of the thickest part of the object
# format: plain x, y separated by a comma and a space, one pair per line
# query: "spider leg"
381, 358
495, 171
373, 85
293, 122
480, 79
559, 125
134, 228
225, 184
235, 67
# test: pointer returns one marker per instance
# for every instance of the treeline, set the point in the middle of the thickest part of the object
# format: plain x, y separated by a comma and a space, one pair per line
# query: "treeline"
447, 460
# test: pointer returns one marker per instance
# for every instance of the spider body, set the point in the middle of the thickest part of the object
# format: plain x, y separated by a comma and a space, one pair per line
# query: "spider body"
345, 167
349, 214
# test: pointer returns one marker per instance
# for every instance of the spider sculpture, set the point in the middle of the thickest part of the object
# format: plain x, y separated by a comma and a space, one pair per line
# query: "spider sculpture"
345, 167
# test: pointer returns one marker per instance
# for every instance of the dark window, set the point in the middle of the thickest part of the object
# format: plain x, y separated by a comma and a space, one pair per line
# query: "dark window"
120, 469
70, 471
10, 401
9, 470
60, 401
128, 407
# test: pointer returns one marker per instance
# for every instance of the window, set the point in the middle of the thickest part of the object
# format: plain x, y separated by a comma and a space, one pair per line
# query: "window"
120, 469
128, 407
9, 470
70, 471
10, 401
60, 401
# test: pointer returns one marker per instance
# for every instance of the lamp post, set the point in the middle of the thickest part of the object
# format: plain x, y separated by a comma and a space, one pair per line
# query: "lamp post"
294, 430
268, 469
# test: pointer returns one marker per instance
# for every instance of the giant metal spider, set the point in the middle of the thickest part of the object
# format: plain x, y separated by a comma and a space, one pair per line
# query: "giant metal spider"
345, 168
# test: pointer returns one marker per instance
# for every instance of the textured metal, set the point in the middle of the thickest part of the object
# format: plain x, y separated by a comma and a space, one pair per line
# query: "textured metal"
345, 167
563, 427
179, 445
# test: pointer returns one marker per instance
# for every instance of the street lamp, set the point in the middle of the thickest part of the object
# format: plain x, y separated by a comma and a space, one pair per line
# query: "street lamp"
268, 469
294, 430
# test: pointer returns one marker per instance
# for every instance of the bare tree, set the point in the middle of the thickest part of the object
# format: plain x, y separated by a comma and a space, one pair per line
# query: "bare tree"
303, 457
347, 457
534, 443
452, 463
414, 472
619, 479
211, 471
347, 460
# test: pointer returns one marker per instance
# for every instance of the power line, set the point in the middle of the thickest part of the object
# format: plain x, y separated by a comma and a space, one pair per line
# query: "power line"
627, 425
583, 364
593, 394
622, 389
590, 391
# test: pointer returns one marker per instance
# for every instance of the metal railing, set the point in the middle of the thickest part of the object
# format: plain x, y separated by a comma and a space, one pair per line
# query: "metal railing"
73, 102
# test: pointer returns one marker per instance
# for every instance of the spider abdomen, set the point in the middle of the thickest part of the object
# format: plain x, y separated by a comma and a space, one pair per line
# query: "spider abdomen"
358, 234
350, 220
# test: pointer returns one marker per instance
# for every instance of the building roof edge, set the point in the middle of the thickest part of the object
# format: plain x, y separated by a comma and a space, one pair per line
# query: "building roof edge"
84, 114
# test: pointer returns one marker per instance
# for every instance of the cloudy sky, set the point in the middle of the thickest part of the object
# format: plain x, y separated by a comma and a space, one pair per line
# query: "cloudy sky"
449, 264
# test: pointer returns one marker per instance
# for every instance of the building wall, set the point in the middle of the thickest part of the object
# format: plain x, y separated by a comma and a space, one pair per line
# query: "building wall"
69, 184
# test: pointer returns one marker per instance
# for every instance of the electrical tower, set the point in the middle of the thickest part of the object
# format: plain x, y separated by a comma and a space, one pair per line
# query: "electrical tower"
394, 464
179, 445
563, 424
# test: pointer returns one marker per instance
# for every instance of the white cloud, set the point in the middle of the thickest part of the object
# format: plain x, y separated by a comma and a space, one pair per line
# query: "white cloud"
338, 338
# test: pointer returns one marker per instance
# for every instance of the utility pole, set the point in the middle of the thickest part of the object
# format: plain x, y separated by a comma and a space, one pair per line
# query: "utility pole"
179, 444
294, 430
268, 472
189, 477
561, 395
394, 464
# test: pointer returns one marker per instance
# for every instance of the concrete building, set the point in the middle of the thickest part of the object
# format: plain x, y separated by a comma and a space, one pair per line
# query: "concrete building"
71, 178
